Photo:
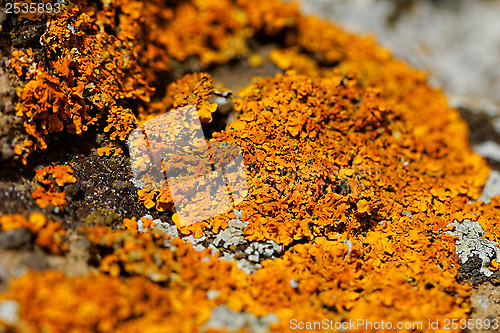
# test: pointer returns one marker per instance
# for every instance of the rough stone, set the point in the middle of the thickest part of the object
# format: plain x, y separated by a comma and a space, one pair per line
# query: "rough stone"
488, 149
15, 239
456, 42
492, 187
4, 275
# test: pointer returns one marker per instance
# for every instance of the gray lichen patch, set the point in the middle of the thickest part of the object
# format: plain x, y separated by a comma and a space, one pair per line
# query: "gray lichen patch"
268, 249
248, 266
471, 243
197, 242
168, 229
233, 234
223, 318
230, 243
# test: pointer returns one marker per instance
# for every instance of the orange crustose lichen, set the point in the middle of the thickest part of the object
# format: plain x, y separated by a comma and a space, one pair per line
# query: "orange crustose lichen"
90, 73
49, 235
193, 89
46, 194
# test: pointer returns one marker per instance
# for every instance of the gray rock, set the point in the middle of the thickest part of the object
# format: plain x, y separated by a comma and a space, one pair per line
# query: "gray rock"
496, 124
491, 188
7, 151
456, 42
223, 318
15, 239
488, 149
36, 260
4, 275
495, 278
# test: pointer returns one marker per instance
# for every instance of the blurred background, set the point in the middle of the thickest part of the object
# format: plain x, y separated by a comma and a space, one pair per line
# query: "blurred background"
457, 42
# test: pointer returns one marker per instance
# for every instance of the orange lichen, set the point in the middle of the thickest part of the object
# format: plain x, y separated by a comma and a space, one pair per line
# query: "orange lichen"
494, 265
138, 304
48, 235
46, 193
291, 58
45, 197
255, 60
120, 122
130, 223
161, 199
329, 275
271, 16
61, 173
354, 165
194, 89
111, 149
88, 73
24, 63
215, 31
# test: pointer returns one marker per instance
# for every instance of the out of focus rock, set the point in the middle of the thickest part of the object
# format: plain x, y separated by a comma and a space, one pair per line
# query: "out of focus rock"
15, 239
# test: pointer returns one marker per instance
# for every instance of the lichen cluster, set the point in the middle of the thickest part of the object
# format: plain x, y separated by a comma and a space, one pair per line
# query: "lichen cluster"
47, 234
45, 193
103, 62
355, 166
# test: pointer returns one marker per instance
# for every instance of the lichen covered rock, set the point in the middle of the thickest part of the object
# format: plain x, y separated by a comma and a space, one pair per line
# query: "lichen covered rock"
355, 167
